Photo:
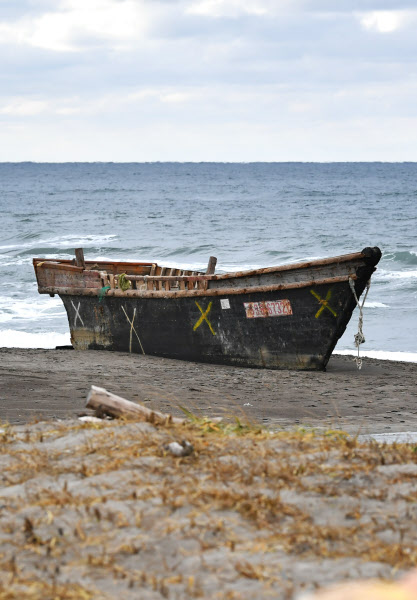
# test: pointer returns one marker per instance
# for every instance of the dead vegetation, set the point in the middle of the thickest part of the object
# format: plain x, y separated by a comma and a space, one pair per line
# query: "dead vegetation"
103, 511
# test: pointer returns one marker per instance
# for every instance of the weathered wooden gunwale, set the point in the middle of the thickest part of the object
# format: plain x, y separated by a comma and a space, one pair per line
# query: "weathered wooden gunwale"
195, 292
320, 262
121, 267
189, 282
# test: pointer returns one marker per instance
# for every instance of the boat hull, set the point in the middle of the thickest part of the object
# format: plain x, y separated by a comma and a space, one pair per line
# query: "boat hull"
283, 317
287, 329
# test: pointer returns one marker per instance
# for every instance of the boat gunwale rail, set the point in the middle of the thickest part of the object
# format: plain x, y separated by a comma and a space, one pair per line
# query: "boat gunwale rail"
168, 277
65, 264
71, 291
294, 266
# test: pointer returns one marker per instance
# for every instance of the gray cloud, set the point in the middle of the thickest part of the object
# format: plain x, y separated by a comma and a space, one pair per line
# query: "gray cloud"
172, 73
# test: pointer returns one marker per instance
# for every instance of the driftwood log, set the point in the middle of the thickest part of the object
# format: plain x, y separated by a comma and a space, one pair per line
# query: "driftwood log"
104, 402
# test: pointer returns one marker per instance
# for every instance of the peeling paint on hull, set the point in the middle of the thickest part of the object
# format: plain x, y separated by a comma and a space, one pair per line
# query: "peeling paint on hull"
83, 338
185, 329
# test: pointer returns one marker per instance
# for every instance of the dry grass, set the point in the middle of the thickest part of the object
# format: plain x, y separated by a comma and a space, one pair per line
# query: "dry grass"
102, 510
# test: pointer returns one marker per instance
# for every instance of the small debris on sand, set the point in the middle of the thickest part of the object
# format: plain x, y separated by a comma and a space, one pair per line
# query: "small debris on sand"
182, 449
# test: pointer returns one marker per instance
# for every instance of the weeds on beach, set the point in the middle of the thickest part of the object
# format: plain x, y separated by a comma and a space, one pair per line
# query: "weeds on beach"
83, 503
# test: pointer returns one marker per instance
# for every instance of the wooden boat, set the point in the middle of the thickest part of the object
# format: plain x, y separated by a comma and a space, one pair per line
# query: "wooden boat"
284, 317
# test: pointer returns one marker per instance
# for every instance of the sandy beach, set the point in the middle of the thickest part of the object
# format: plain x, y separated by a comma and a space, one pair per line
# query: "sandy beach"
103, 510
99, 510
51, 384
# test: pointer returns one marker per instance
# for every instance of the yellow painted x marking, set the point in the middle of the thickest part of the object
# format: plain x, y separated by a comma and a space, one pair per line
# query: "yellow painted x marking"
204, 317
324, 303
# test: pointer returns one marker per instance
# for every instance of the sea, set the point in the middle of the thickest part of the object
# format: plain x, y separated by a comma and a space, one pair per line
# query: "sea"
179, 214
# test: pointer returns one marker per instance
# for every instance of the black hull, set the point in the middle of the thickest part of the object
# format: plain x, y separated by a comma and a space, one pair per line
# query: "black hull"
300, 334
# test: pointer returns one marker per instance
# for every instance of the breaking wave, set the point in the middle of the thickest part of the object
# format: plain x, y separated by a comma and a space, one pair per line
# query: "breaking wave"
31, 309
382, 355
58, 243
10, 338
376, 305
407, 257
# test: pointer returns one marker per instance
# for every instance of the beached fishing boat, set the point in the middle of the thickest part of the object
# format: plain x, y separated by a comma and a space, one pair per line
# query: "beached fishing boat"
284, 317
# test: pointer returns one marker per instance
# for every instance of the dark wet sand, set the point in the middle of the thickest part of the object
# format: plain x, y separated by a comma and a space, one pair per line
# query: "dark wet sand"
45, 384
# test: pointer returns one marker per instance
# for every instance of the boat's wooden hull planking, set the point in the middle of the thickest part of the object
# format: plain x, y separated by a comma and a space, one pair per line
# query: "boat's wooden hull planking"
290, 329
288, 317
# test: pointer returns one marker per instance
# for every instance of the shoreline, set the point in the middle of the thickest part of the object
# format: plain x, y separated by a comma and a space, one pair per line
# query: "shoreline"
54, 341
40, 384
393, 356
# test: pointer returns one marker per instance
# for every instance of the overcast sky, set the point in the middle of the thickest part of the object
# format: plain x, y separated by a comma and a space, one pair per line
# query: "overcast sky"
218, 80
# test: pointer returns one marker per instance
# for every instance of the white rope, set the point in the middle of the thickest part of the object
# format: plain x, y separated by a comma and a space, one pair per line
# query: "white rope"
359, 337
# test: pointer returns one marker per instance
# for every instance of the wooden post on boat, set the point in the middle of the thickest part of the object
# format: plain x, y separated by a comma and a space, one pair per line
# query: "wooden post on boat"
105, 402
79, 257
211, 265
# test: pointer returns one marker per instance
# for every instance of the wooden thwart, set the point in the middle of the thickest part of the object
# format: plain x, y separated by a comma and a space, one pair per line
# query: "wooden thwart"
104, 402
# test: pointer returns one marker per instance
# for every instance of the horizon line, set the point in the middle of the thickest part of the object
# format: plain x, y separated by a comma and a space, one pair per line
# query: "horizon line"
203, 162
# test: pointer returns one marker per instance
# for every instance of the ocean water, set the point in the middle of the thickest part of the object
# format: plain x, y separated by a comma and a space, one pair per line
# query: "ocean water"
178, 214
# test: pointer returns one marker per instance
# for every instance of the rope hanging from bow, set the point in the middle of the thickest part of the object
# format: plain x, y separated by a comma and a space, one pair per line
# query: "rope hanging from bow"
359, 337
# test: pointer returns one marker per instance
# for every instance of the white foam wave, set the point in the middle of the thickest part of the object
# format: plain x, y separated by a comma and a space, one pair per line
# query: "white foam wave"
26, 260
30, 309
382, 355
376, 305
63, 242
232, 267
396, 275
18, 262
10, 338
391, 256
